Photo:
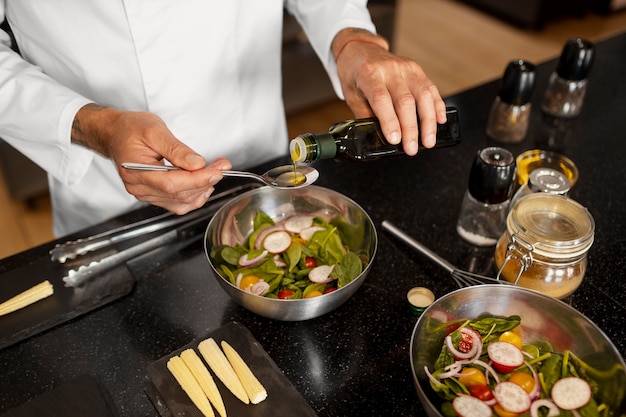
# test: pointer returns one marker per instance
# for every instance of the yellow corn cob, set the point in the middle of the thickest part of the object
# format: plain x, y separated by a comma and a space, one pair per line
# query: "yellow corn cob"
214, 356
30, 296
189, 384
204, 378
255, 390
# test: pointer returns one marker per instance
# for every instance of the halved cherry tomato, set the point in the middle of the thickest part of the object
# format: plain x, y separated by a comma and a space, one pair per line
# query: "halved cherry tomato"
312, 294
471, 376
466, 343
524, 380
248, 281
284, 294
482, 392
511, 337
310, 262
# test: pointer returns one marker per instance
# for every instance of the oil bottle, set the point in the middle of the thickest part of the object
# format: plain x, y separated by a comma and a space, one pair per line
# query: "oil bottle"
362, 139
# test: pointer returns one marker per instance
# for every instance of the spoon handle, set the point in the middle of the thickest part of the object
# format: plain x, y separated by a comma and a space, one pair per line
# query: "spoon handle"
150, 167
243, 174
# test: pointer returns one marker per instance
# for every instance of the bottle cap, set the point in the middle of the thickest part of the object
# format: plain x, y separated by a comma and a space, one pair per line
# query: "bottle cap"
548, 180
576, 59
517, 83
492, 174
419, 298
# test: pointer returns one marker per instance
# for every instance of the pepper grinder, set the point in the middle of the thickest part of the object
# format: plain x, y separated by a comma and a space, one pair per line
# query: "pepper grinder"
568, 83
482, 219
510, 111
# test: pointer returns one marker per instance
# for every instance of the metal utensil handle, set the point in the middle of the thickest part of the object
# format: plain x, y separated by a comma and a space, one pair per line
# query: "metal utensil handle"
72, 249
243, 174
417, 246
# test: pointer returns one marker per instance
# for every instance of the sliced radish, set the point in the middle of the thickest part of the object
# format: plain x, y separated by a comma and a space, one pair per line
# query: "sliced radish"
277, 242
505, 356
295, 224
467, 406
261, 237
307, 233
321, 274
553, 410
512, 397
246, 262
571, 393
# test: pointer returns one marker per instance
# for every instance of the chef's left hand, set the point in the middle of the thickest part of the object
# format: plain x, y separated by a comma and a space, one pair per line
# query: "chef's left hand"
378, 83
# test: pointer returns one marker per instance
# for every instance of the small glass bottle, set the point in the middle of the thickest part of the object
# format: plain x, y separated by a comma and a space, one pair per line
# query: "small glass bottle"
510, 112
568, 84
362, 139
543, 180
545, 244
486, 201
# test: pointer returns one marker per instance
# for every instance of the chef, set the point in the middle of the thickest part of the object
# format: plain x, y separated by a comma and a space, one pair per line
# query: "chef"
194, 82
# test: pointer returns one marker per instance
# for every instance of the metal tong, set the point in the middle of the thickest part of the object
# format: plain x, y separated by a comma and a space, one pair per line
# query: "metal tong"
188, 225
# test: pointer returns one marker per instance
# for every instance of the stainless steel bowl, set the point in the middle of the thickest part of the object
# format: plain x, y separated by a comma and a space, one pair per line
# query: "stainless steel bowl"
543, 318
234, 222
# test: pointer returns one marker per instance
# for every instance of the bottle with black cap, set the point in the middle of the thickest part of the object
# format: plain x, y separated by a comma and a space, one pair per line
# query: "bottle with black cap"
510, 112
482, 219
568, 83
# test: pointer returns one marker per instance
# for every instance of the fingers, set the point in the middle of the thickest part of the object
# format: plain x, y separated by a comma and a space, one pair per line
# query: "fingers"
177, 191
395, 89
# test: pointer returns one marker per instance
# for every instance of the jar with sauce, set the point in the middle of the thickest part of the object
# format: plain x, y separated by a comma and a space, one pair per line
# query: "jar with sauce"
545, 245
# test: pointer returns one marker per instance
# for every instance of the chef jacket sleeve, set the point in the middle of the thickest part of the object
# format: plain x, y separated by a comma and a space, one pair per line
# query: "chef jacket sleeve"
323, 19
36, 115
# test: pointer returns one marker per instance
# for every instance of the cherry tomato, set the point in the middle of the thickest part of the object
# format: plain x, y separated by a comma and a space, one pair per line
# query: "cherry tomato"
284, 294
452, 328
501, 412
330, 289
310, 262
466, 342
471, 376
312, 294
511, 337
524, 380
248, 281
482, 392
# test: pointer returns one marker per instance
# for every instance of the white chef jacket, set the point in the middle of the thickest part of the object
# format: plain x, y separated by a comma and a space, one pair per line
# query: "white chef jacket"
210, 69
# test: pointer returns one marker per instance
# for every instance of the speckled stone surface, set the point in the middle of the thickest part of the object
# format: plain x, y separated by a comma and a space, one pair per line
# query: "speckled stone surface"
354, 360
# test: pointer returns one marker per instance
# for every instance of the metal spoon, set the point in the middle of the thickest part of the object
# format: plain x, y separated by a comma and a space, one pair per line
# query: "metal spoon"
284, 176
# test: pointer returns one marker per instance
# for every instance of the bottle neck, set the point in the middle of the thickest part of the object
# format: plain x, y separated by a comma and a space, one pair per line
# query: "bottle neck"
311, 147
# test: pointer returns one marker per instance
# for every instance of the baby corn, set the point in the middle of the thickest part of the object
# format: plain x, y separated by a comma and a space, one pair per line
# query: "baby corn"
188, 383
222, 368
255, 390
204, 378
28, 297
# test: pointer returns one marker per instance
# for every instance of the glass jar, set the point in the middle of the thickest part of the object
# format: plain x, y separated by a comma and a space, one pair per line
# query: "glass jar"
545, 245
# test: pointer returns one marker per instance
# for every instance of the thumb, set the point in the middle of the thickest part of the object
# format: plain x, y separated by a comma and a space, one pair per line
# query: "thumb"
184, 157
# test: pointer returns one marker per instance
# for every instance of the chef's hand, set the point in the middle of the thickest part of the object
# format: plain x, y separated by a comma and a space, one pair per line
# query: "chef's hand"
142, 137
377, 83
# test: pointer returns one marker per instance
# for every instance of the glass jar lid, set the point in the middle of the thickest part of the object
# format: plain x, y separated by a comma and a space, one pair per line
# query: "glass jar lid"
554, 225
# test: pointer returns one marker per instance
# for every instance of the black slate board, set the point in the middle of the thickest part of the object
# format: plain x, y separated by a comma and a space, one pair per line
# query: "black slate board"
79, 397
65, 304
282, 397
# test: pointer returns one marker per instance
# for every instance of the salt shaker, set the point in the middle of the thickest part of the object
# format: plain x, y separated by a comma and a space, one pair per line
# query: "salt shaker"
568, 83
482, 219
510, 111
543, 180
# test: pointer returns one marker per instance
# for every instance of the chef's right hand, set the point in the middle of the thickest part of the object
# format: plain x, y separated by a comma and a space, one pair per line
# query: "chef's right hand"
142, 137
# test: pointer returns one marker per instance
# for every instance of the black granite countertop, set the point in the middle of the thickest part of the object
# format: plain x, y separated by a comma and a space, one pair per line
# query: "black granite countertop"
354, 360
